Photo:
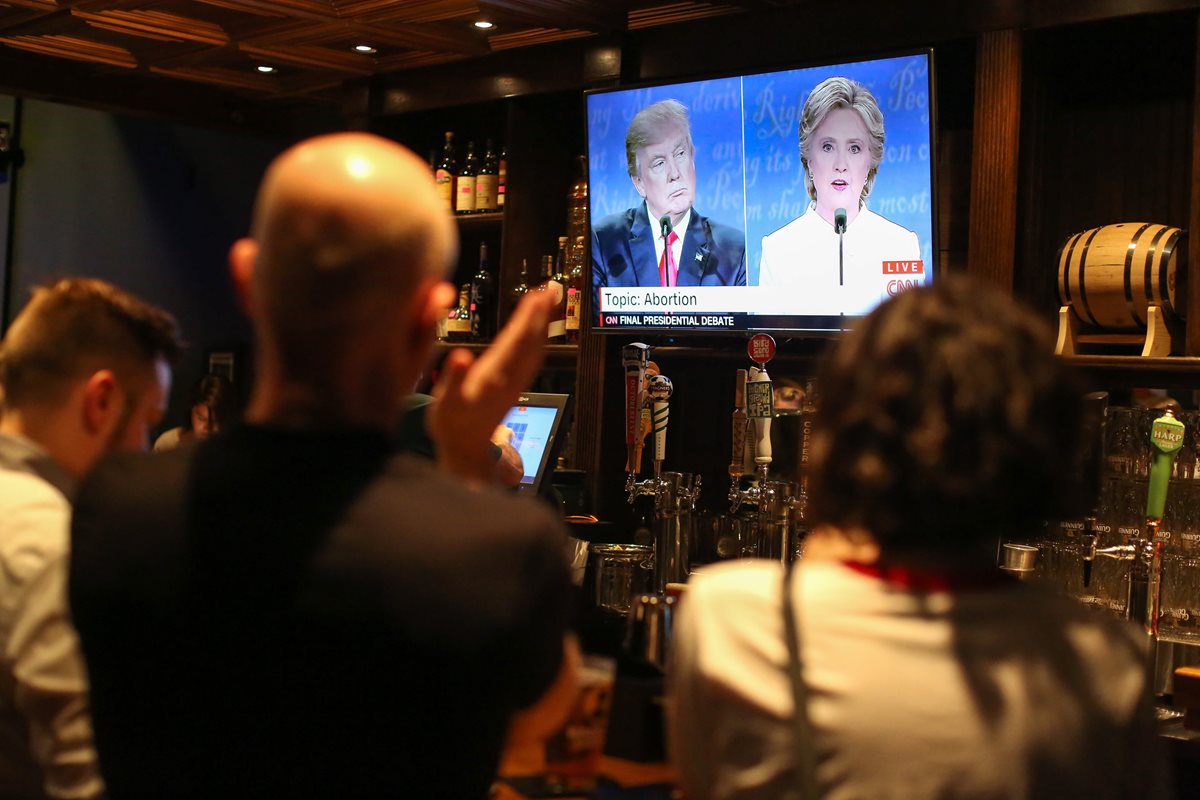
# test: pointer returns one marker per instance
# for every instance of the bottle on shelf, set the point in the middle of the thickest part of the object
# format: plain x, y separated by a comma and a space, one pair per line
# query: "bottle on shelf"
464, 202
546, 274
577, 208
557, 331
486, 181
443, 326
483, 300
522, 283
444, 174
501, 177
458, 322
575, 274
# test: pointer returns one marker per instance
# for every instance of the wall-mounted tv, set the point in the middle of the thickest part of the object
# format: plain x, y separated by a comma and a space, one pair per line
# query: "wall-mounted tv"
793, 200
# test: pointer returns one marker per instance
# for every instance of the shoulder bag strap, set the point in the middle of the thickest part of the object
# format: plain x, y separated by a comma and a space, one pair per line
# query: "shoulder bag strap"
806, 757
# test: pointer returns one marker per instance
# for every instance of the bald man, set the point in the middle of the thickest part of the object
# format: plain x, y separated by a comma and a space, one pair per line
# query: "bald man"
292, 609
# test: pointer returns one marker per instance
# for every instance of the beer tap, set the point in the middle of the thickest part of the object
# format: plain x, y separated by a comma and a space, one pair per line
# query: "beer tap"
774, 501
737, 460
634, 358
1095, 405
1143, 551
658, 392
760, 408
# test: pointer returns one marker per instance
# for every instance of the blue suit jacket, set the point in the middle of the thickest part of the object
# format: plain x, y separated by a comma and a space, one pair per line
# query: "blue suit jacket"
623, 253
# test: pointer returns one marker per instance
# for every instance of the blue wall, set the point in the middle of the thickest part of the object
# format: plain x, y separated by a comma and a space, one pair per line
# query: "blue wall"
150, 206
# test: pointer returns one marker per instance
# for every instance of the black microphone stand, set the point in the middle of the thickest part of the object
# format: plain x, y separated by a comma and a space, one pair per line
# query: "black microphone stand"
839, 227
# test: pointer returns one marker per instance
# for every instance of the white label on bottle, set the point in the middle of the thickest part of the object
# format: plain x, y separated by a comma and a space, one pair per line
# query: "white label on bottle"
572, 310
445, 187
466, 195
557, 328
485, 192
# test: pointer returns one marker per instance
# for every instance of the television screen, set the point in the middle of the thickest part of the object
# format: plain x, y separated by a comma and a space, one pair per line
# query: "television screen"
787, 201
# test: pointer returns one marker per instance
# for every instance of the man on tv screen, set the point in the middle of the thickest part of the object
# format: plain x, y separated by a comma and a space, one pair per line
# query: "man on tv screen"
665, 241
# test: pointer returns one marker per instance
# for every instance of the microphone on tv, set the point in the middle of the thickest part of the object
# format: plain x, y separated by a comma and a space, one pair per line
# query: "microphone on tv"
665, 224
839, 227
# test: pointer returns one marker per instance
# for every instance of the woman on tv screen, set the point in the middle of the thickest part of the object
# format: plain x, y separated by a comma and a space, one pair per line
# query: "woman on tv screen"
838, 249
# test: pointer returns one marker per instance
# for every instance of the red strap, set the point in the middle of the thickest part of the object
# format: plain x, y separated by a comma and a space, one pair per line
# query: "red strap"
922, 580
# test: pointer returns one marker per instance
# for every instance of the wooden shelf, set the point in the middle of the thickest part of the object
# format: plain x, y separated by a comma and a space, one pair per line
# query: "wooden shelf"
488, 218
1177, 374
555, 353
1136, 364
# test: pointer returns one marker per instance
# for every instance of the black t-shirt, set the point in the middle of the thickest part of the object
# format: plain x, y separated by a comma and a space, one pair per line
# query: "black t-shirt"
276, 613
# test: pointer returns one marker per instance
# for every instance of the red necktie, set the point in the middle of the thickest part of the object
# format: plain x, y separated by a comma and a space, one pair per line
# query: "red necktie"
668, 273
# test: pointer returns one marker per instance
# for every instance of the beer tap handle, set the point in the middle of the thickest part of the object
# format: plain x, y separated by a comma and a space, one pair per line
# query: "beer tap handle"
659, 389
634, 358
1166, 437
760, 408
738, 457
1095, 406
662, 414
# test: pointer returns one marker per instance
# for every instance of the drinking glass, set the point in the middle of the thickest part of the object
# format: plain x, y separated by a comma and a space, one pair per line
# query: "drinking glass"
573, 751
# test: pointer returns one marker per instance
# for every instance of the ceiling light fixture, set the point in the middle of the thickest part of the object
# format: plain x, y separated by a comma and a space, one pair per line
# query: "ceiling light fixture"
263, 68
483, 24
365, 48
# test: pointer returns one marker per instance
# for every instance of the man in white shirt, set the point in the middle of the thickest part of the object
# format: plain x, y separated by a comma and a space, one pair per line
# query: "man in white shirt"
85, 370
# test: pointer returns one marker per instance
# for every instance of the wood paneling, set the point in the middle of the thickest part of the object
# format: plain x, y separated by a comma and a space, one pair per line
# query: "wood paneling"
994, 166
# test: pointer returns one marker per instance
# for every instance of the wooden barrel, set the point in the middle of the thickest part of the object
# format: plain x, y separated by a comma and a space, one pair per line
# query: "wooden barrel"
1111, 275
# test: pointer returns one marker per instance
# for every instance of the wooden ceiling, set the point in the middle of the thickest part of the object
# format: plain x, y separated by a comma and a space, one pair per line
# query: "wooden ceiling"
309, 44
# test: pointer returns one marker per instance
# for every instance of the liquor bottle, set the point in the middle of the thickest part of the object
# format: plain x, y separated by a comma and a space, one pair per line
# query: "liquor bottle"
486, 180
443, 327
444, 175
458, 323
522, 283
501, 177
546, 274
575, 291
557, 331
577, 207
483, 300
464, 202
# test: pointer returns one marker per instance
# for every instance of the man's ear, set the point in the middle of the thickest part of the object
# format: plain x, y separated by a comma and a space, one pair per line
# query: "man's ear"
431, 301
637, 184
242, 256
103, 403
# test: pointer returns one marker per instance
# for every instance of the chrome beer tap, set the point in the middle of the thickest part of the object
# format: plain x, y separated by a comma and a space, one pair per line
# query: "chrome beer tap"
1143, 550
773, 500
635, 358
1095, 405
738, 496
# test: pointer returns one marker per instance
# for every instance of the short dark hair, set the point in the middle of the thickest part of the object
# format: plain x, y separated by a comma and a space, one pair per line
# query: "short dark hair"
75, 326
944, 419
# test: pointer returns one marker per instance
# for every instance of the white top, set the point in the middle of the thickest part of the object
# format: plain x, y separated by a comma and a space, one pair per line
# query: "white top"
802, 257
169, 439
1002, 692
45, 731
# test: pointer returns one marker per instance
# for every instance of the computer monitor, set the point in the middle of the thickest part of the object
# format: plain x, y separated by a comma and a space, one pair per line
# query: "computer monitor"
535, 422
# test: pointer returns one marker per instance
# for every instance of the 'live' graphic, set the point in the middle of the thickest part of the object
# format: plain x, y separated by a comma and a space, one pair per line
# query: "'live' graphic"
903, 267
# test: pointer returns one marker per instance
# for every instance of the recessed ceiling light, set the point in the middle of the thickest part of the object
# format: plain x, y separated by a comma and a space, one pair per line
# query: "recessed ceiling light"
265, 69
483, 24
365, 48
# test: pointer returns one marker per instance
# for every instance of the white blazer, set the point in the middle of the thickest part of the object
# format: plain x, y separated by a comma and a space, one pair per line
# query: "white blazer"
802, 259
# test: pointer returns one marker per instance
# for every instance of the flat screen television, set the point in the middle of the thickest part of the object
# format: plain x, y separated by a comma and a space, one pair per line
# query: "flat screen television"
759, 238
